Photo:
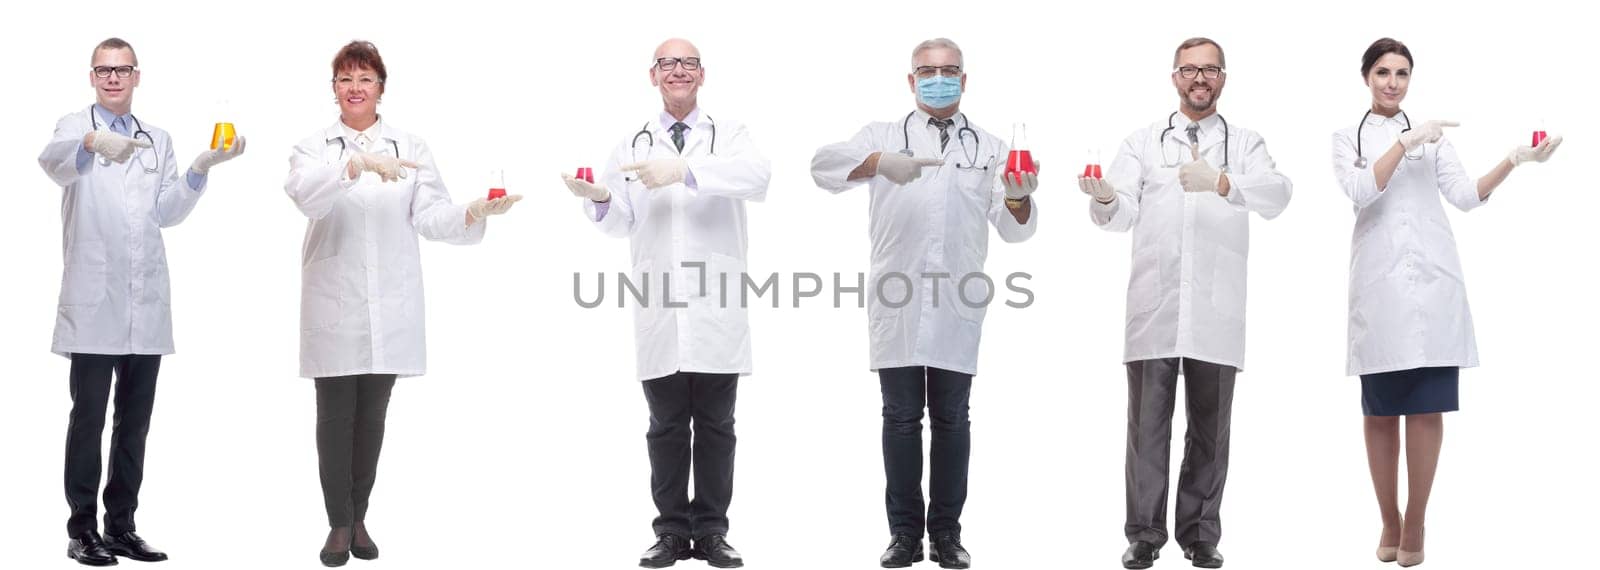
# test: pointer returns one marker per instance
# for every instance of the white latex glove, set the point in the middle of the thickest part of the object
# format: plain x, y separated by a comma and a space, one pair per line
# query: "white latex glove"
902, 169
1540, 153
386, 167
115, 147
586, 189
1019, 185
1098, 188
483, 207
1199, 176
1429, 132
659, 172
206, 160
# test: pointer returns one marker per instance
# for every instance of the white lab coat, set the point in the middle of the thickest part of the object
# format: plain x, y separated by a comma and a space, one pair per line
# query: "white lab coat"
1408, 298
1186, 289
115, 294
361, 306
673, 225
938, 223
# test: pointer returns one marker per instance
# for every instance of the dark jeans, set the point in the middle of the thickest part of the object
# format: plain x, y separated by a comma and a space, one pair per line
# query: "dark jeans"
708, 400
350, 414
90, 383
1152, 393
945, 393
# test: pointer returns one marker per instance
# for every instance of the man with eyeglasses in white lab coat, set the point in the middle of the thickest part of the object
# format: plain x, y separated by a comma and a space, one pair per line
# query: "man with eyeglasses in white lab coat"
1185, 186
120, 186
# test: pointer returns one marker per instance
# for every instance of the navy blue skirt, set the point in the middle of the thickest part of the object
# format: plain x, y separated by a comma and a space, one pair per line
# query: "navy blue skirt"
1409, 392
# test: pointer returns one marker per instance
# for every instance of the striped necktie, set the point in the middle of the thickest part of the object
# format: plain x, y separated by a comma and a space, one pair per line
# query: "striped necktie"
677, 134
944, 130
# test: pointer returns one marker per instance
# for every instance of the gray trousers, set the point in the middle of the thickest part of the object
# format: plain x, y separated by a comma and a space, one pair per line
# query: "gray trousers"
1152, 392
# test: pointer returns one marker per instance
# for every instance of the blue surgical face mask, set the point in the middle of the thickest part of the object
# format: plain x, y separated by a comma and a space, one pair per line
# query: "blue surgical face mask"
938, 92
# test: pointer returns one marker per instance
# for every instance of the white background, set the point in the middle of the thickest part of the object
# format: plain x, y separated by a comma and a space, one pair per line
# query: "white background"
523, 445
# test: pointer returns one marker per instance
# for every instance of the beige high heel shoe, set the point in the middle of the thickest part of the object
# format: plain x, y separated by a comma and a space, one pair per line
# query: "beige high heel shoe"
1409, 559
1387, 553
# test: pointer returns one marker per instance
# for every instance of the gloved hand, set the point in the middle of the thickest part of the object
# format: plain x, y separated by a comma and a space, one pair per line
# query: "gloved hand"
1098, 188
1020, 184
1199, 176
386, 167
483, 207
902, 169
115, 147
1429, 132
586, 189
1540, 153
206, 160
659, 172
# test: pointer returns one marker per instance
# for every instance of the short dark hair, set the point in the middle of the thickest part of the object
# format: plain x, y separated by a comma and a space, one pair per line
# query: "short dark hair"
358, 54
114, 43
1196, 42
1379, 49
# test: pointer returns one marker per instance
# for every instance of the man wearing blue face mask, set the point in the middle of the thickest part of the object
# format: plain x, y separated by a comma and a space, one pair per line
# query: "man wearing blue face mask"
936, 185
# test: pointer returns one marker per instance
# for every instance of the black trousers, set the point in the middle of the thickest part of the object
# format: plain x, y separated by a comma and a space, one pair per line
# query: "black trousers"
1152, 393
708, 400
350, 415
945, 394
90, 383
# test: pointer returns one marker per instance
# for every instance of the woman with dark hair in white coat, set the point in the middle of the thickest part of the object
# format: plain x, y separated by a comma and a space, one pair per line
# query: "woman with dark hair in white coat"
1410, 328
369, 190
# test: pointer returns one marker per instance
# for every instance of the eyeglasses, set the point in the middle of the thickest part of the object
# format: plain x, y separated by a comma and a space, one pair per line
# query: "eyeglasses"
123, 71
926, 71
671, 63
347, 81
1190, 71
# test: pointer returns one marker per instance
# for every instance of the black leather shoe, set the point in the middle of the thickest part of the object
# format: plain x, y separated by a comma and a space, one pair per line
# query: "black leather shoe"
1140, 554
717, 553
669, 549
903, 550
129, 545
947, 551
366, 552
1204, 555
87, 548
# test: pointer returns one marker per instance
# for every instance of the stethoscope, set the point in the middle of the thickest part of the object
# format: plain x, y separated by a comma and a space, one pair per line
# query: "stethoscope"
340, 140
1361, 160
961, 136
1194, 140
650, 143
138, 129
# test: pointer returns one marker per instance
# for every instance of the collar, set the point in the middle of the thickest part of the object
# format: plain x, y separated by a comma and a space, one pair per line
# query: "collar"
1211, 124
339, 130
920, 118
1374, 119
693, 120
106, 117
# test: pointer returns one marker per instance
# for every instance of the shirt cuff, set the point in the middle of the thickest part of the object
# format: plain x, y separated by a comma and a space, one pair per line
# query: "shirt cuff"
197, 181
85, 158
600, 209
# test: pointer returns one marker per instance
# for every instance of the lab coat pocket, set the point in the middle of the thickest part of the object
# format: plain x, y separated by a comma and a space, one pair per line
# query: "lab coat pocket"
648, 305
84, 280
729, 326
1228, 285
321, 301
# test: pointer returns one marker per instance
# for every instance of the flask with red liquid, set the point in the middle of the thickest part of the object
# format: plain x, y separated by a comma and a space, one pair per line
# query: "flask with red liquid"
585, 174
497, 184
1091, 166
1020, 160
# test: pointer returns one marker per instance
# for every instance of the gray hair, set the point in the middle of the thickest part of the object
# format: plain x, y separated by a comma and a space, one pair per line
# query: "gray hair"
938, 43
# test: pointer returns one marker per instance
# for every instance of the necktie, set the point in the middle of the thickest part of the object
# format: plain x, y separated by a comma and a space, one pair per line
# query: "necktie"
119, 126
677, 134
944, 130
1194, 134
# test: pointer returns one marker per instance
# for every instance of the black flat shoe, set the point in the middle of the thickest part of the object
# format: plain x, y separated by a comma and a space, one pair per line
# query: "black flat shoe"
336, 552
903, 550
368, 552
1203, 554
717, 553
129, 545
89, 550
947, 551
1140, 554
668, 550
